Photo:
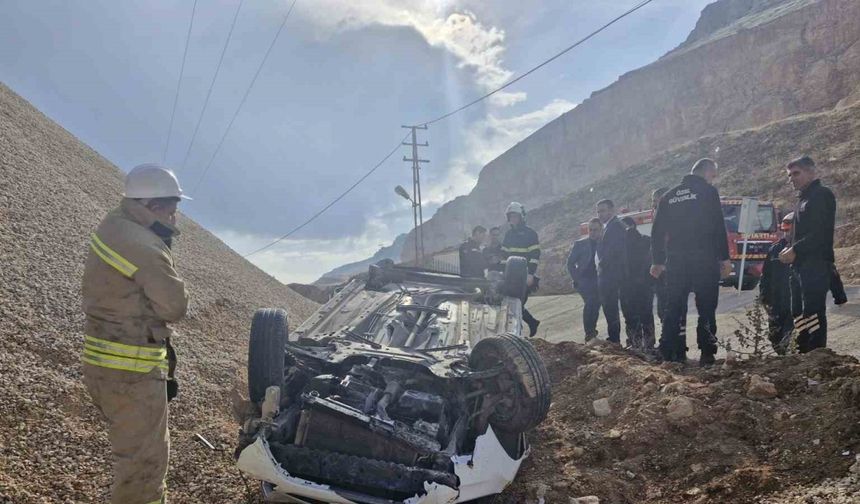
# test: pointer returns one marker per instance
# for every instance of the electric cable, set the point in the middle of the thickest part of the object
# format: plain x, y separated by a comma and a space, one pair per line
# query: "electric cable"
179, 83
212, 84
244, 98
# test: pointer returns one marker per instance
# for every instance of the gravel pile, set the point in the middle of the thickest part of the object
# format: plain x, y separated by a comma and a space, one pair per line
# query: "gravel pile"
53, 191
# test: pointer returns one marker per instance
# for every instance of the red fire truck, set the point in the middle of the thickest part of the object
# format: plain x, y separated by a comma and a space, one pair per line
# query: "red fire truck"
759, 241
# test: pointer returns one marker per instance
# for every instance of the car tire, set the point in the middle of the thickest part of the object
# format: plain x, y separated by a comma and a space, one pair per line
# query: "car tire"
524, 382
516, 278
266, 356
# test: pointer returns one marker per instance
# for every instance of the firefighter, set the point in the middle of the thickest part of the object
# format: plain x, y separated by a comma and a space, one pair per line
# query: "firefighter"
131, 291
583, 272
472, 262
660, 291
522, 241
689, 246
611, 267
775, 291
637, 294
810, 253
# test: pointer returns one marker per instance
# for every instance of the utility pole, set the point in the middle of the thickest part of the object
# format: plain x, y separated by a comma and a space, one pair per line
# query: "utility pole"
417, 213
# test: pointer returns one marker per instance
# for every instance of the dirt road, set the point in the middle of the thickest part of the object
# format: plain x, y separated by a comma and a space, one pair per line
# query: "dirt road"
561, 319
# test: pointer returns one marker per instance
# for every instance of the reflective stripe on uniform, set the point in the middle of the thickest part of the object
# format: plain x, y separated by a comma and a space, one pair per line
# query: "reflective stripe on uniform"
113, 259
521, 250
122, 350
112, 355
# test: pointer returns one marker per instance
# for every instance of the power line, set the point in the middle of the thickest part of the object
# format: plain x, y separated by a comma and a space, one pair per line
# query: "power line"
212, 84
546, 62
244, 98
179, 83
333, 202
447, 115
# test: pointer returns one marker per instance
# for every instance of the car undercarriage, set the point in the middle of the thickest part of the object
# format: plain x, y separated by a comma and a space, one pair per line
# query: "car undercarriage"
395, 391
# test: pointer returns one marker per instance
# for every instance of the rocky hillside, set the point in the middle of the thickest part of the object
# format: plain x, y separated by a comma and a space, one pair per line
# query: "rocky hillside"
53, 192
752, 164
747, 63
773, 431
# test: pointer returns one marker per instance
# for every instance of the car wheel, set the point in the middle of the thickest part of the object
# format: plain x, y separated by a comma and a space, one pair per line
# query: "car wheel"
516, 277
523, 385
269, 332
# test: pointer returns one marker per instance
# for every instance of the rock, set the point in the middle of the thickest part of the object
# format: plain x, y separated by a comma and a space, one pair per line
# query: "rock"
578, 451
760, 388
602, 407
697, 468
590, 499
855, 467
680, 408
613, 434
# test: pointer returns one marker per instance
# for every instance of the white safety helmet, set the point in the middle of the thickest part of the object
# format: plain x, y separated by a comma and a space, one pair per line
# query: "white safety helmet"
516, 208
152, 180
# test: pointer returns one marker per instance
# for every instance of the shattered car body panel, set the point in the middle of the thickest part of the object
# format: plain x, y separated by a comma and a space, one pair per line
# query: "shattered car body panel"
378, 397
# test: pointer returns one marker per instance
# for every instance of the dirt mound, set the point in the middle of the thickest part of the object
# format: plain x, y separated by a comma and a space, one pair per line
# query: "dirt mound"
672, 434
53, 192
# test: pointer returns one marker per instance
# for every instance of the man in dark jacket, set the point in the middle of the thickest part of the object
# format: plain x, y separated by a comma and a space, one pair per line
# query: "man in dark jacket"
775, 291
637, 294
810, 253
493, 251
472, 261
660, 289
583, 272
522, 241
611, 267
689, 245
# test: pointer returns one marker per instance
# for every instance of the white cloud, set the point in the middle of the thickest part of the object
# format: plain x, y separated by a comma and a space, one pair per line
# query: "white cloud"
303, 260
476, 47
486, 140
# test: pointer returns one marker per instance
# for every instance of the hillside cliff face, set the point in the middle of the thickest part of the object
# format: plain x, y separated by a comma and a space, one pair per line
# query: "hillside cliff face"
746, 64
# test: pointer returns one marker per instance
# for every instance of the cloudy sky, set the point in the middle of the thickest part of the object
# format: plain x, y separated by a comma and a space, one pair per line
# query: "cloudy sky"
327, 106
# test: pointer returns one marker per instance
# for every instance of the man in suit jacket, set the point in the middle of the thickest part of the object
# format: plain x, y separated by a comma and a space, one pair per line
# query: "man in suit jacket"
583, 271
611, 266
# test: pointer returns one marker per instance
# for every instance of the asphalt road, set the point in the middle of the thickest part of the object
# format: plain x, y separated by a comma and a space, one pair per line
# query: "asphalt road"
561, 319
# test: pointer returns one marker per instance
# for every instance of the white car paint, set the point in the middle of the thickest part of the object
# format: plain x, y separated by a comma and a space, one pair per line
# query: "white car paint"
487, 471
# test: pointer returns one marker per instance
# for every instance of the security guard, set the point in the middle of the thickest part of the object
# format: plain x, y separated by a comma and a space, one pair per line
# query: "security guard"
130, 292
472, 261
811, 253
522, 241
689, 245
775, 290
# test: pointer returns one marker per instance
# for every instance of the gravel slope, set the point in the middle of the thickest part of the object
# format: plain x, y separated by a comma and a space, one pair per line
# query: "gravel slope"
53, 446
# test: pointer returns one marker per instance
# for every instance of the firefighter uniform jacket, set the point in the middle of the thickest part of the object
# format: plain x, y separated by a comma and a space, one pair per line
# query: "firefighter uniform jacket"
522, 241
472, 261
130, 292
814, 223
689, 222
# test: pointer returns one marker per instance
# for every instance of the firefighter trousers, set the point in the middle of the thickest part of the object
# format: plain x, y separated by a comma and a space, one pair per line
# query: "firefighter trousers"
809, 303
701, 276
136, 411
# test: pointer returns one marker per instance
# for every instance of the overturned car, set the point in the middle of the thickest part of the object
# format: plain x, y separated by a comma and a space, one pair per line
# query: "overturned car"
411, 387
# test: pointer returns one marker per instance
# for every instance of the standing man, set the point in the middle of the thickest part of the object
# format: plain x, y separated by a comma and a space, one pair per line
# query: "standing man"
522, 241
660, 289
811, 253
775, 290
637, 293
493, 250
611, 267
583, 272
689, 245
131, 291
472, 262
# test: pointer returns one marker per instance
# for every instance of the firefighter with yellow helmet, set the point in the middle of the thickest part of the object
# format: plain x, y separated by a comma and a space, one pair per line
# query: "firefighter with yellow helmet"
131, 291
